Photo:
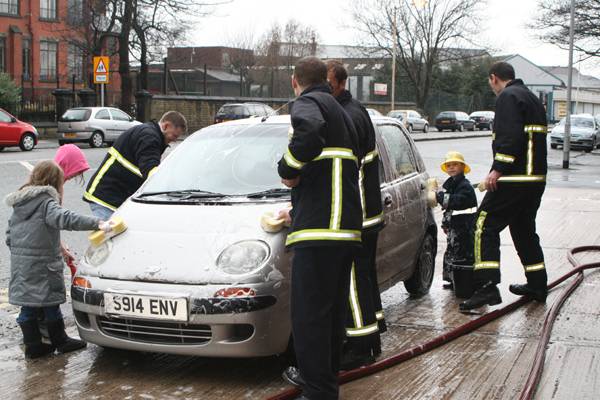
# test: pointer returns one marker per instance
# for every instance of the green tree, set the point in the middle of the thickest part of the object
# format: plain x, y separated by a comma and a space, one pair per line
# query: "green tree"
10, 93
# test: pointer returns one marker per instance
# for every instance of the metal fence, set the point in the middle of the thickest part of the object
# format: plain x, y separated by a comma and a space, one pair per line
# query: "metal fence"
40, 110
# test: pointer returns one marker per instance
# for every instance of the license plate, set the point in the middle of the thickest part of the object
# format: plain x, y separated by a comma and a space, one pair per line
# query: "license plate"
165, 308
70, 135
445, 121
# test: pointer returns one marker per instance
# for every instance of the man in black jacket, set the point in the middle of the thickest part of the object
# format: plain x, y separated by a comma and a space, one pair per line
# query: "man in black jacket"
133, 157
365, 315
321, 166
515, 186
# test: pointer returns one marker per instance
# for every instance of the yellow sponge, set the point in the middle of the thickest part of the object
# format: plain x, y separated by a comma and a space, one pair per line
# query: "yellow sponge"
271, 224
98, 237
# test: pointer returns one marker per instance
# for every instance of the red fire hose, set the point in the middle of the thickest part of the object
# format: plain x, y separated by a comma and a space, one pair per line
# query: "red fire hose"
536, 371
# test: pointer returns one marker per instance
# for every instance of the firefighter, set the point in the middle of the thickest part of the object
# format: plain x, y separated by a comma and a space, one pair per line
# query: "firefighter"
321, 167
365, 314
515, 186
128, 163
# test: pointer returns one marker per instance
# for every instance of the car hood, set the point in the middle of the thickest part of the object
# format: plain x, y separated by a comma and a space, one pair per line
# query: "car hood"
180, 243
559, 130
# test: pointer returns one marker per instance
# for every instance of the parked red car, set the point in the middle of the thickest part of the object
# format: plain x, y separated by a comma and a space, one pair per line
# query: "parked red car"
16, 133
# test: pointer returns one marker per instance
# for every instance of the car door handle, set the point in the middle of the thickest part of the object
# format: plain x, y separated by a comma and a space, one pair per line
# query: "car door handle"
387, 200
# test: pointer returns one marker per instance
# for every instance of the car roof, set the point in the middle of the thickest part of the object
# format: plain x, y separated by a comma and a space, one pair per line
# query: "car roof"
92, 108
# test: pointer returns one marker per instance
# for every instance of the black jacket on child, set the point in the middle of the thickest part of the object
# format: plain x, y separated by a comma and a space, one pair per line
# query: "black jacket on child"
460, 208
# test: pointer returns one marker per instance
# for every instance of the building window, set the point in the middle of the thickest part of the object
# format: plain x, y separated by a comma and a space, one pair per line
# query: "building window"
10, 7
2, 54
26, 59
75, 62
48, 53
75, 12
48, 9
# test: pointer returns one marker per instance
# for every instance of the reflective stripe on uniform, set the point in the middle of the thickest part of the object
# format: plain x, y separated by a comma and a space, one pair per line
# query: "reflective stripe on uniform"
152, 171
323, 234
522, 178
486, 265
111, 160
478, 231
124, 162
96, 200
361, 190
535, 267
530, 154
336, 194
336, 153
368, 222
364, 331
504, 158
536, 129
379, 315
291, 161
353, 299
370, 157
471, 210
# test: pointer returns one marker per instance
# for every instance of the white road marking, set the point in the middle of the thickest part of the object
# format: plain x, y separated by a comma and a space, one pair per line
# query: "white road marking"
27, 165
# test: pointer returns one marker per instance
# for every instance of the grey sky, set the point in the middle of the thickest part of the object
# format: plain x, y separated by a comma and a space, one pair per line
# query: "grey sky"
504, 27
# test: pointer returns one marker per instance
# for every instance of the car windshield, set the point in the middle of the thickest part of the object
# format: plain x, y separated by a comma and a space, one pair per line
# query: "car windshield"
232, 110
579, 122
446, 115
76, 114
231, 160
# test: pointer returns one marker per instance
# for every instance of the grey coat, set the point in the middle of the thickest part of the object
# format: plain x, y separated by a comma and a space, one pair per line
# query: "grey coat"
33, 236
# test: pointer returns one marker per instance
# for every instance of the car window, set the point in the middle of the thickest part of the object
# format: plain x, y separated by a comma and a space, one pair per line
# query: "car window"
446, 114
398, 149
231, 110
119, 115
76, 115
102, 114
4, 117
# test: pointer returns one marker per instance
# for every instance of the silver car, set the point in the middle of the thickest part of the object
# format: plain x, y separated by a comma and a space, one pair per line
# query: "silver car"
93, 125
411, 119
585, 132
195, 274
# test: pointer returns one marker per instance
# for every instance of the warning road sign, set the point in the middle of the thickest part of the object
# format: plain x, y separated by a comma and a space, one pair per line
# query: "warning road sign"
101, 65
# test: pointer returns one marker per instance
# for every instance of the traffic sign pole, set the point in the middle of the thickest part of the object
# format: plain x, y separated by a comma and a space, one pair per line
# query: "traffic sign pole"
102, 95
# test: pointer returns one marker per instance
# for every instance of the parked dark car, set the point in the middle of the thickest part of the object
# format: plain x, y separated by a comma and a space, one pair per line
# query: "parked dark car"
233, 111
483, 119
454, 121
16, 133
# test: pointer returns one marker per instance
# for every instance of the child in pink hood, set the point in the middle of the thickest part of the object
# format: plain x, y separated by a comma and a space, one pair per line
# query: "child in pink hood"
73, 163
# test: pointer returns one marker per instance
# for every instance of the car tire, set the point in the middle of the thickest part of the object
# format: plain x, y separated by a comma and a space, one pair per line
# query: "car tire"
410, 129
425, 128
27, 142
589, 149
472, 128
1, 148
61, 142
420, 282
461, 128
97, 139
453, 129
553, 146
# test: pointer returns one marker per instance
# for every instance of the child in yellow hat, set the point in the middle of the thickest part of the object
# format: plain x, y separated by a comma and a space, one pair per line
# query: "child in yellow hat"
459, 203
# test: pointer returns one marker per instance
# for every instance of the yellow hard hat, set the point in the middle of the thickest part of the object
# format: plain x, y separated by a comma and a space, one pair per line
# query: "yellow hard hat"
455, 156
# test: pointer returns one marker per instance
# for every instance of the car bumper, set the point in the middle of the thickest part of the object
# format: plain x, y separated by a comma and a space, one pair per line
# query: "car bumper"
216, 327
575, 142
78, 136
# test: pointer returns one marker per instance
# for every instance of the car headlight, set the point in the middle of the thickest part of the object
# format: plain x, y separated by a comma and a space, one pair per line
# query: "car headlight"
243, 257
96, 255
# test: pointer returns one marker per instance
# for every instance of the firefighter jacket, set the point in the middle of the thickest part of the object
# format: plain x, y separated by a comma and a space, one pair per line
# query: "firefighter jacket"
519, 138
459, 203
126, 166
368, 174
323, 153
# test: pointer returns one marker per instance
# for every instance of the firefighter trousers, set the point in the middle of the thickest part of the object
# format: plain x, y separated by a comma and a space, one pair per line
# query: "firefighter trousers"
365, 314
320, 283
515, 206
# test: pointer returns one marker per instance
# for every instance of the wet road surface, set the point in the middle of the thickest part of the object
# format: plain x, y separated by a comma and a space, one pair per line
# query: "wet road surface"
491, 363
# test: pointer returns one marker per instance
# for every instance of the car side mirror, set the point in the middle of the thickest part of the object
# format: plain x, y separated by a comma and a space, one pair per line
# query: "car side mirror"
13, 119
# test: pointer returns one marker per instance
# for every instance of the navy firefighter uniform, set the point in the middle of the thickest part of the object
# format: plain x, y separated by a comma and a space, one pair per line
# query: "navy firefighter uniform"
325, 232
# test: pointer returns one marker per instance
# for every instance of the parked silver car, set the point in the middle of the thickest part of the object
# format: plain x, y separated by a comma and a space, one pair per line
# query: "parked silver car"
94, 125
195, 274
411, 119
585, 132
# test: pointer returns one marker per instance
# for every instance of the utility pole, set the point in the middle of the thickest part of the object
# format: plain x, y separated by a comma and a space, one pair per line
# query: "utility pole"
394, 36
567, 138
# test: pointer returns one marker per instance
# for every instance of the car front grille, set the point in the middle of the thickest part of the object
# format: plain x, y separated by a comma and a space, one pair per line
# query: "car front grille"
154, 331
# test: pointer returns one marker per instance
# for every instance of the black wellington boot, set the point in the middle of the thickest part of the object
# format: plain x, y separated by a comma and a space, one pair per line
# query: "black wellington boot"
59, 338
488, 294
32, 339
527, 290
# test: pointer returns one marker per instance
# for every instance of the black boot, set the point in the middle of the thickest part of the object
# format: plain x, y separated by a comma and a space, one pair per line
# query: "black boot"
292, 376
488, 294
59, 338
352, 359
526, 290
32, 339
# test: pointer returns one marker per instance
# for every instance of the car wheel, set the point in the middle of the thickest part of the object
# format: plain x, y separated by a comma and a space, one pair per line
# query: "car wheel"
96, 139
27, 142
472, 128
61, 142
410, 129
1, 148
425, 128
461, 128
589, 149
553, 145
420, 281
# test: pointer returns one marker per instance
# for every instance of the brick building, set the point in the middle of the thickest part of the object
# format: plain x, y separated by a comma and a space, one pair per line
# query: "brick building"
39, 46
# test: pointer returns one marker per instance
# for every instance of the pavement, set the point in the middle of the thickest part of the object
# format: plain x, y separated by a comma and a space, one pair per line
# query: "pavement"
490, 363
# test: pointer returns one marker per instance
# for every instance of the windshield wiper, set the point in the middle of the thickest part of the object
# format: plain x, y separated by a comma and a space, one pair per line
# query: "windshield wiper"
185, 194
275, 192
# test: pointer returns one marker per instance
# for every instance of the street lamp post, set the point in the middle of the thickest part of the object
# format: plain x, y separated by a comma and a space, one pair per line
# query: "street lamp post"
394, 36
567, 136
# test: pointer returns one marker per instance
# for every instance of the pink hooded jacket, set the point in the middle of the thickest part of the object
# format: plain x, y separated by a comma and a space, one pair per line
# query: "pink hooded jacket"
71, 160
